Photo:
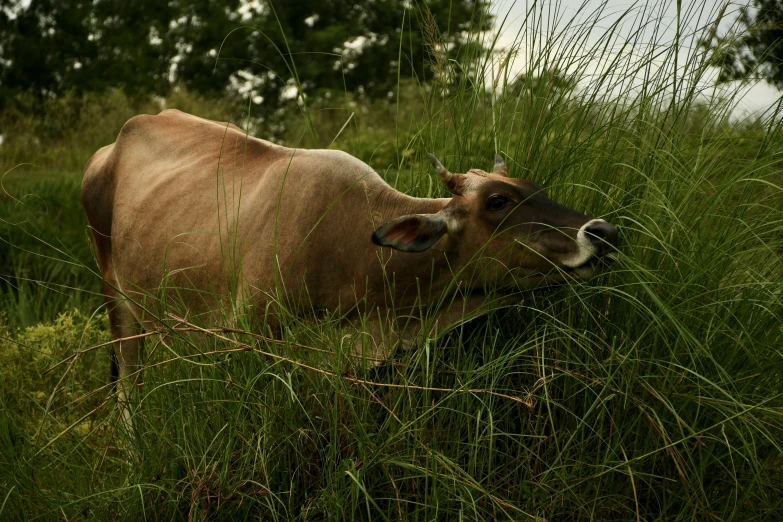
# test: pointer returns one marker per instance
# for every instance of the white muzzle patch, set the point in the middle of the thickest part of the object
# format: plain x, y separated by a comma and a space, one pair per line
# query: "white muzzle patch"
586, 248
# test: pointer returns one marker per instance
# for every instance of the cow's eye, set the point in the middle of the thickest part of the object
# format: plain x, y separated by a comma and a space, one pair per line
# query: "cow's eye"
498, 202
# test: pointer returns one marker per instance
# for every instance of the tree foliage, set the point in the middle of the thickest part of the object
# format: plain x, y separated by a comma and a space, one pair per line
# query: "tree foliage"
270, 51
757, 49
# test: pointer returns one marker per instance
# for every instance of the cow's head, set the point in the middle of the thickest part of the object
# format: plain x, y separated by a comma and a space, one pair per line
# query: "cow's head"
511, 223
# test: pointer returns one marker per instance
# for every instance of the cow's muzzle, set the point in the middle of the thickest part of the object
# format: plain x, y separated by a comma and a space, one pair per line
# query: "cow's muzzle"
595, 240
601, 235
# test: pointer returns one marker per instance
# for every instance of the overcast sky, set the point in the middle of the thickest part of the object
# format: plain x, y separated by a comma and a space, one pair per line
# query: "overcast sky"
699, 13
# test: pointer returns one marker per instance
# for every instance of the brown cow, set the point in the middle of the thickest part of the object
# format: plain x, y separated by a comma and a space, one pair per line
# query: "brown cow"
198, 211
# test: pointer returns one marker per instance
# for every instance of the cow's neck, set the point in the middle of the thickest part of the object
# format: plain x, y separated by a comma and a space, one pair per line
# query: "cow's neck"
439, 261
391, 204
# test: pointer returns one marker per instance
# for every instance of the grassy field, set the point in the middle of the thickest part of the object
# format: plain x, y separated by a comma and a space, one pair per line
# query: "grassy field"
653, 392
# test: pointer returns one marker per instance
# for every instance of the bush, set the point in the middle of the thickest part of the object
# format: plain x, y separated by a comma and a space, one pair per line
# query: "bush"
28, 384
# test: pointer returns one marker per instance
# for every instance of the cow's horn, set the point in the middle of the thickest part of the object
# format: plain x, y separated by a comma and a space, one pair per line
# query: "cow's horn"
500, 166
450, 180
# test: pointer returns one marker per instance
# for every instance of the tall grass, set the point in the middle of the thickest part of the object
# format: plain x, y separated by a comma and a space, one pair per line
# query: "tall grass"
653, 392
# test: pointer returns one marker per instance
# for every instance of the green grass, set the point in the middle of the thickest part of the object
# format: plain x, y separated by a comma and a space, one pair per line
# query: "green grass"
652, 392
44, 246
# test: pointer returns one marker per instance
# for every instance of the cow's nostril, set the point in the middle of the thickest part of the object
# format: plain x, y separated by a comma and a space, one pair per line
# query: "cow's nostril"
597, 232
602, 234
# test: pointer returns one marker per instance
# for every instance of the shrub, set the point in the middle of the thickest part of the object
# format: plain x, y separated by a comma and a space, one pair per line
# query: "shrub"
31, 389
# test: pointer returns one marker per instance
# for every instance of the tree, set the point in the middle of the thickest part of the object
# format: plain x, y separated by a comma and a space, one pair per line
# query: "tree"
336, 45
757, 50
272, 51
550, 83
52, 47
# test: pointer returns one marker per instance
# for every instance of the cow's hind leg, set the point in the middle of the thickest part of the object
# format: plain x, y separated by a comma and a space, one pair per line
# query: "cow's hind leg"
127, 350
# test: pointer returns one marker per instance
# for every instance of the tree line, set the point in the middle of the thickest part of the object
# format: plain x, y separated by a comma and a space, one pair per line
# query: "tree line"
264, 50
273, 51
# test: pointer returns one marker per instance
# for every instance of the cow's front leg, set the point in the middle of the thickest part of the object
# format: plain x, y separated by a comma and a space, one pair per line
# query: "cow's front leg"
415, 328
376, 338
383, 333
462, 310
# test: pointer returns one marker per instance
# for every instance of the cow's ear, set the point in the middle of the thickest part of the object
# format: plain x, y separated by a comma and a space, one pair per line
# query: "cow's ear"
412, 233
